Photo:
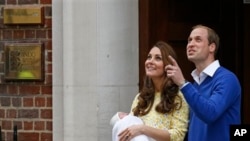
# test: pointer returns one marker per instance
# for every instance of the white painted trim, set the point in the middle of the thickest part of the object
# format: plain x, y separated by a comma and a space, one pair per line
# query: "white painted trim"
57, 69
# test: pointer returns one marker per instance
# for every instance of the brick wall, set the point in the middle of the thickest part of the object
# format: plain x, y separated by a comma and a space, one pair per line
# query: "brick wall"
27, 104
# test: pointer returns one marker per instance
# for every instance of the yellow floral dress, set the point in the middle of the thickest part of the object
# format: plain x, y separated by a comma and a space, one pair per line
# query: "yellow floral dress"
176, 123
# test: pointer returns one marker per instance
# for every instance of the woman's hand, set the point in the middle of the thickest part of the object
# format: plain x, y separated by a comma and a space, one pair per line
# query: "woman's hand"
130, 132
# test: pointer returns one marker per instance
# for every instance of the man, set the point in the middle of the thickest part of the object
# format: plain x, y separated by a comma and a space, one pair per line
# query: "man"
215, 96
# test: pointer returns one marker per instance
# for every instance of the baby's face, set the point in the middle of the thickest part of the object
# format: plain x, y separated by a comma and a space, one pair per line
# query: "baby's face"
122, 115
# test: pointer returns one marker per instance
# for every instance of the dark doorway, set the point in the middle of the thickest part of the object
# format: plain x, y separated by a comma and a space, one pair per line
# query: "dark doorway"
171, 21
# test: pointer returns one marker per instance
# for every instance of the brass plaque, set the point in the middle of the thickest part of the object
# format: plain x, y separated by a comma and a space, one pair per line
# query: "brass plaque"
23, 61
23, 15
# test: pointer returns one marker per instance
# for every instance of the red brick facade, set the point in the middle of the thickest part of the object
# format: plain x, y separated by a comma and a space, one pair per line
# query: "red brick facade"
27, 104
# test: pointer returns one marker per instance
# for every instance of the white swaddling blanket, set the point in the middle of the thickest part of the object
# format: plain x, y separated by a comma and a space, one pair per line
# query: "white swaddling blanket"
121, 124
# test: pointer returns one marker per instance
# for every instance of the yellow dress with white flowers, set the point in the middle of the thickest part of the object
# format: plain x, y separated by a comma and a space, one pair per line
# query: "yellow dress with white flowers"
176, 122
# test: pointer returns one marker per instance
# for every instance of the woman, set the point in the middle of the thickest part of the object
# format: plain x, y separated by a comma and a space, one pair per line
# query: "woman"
160, 105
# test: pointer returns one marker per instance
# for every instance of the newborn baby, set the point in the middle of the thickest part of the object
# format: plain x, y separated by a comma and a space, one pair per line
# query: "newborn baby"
120, 121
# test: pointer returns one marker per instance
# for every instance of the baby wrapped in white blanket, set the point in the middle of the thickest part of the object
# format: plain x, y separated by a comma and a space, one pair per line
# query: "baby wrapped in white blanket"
120, 121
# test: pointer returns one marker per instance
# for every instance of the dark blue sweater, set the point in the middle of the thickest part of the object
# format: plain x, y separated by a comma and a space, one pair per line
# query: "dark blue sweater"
214, 106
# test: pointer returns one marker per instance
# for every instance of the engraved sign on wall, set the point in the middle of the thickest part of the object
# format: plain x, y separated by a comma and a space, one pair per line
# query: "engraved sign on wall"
23, 14
24, 61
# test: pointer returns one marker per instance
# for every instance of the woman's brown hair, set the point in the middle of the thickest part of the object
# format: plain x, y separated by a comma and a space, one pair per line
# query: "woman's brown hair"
169, 90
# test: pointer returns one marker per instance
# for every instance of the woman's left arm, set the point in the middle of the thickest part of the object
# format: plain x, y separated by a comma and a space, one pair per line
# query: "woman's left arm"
136, 130
179, 122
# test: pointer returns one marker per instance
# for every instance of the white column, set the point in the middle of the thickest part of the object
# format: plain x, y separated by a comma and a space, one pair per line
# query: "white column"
95, 66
